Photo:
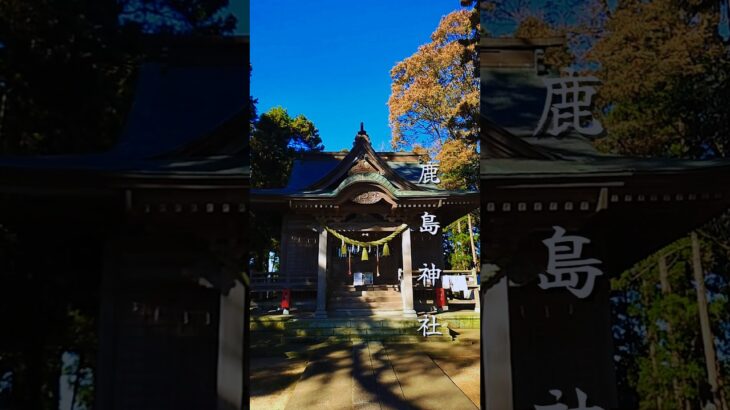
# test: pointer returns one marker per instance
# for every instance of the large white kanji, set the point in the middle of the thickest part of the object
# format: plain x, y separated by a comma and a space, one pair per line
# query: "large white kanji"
429, 275
429, 223
429, 174
568, 105
566, 268
425, 325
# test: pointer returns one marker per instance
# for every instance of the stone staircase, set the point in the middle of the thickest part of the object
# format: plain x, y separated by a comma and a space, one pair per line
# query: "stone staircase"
382, 300
276, 330
287, 330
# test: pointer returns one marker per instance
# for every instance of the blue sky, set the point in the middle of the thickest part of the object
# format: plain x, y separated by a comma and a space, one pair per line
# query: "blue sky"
330, 59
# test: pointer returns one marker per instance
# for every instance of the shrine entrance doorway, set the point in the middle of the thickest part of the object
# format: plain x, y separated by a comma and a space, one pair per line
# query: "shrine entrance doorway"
367, 287
378, 269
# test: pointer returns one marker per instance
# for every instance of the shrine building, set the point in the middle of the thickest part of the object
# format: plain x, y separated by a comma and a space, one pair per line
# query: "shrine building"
351, 242
155, 227
536, 187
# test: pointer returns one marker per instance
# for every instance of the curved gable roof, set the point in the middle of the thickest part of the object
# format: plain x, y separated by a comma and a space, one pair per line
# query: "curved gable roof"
362, 153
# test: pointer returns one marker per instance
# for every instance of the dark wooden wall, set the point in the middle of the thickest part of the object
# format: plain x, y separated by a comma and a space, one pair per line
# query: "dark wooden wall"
154, 356
299, 252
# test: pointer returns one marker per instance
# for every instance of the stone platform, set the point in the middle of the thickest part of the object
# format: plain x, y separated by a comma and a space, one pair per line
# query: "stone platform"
304, 328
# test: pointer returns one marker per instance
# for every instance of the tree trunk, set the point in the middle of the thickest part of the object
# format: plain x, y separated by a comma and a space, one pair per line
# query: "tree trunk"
707, 338
651, 337
666, 290
473, 248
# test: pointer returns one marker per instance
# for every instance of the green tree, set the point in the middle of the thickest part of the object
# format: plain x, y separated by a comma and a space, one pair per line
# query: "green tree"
197, 17
669, 364
276, 140
664, 73
67, 68
459, 236
66, 78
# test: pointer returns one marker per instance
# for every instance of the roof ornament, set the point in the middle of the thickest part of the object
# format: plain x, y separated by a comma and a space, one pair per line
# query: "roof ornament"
362, 134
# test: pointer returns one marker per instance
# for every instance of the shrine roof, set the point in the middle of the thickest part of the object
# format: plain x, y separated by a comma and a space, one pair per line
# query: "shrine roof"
218, 164
307, 172
428, 191
522, 168
325, 174
512, 97
575, 155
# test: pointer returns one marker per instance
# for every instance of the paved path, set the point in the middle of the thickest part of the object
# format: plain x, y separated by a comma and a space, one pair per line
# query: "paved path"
370, 376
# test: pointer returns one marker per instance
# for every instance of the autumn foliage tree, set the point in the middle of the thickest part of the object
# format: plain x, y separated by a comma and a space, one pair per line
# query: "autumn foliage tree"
434, 105
435, 92
664, 72
434, 98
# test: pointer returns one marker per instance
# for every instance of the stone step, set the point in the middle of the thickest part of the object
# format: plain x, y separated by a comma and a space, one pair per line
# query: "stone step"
339, 331
366, 298
391, 319
393, 339
462, 322
356, 325
396, 311
368, 338
372, 306
365, 293
369, 297
350, 288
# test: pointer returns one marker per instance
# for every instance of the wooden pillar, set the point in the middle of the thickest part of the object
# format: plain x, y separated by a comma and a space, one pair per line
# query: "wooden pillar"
406, 288
496, 355
231, 348
321, 311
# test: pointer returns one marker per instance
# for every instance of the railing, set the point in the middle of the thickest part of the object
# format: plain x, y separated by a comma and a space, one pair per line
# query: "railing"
471, 276
471, 283
269, 281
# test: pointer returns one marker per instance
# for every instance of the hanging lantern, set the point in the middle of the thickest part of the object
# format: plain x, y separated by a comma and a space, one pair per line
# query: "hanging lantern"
364, 254
386, 250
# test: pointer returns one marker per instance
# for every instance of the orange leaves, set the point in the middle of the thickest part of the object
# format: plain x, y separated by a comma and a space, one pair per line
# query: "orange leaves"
649, 53
434, 92
458, 162
453, 26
